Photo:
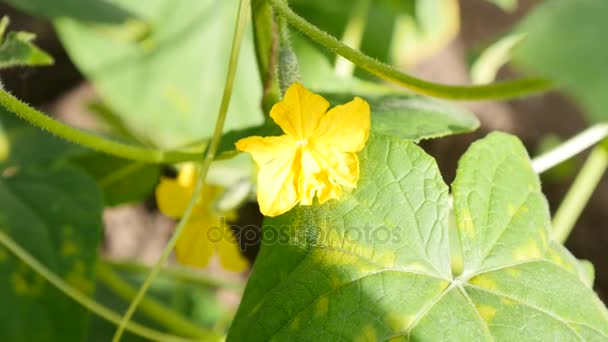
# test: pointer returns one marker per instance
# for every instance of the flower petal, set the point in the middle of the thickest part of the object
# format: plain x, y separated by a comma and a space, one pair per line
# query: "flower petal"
187, 176
308, 182
278, 172
299, 112
229, 252
330, 190
346, 127
172, 198
193, 248
341, 167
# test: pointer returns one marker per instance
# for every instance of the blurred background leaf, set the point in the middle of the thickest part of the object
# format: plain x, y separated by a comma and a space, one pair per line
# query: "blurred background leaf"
163, 74
564, 43
17, 49
27, 146
486, 66
194, 301
122, 181
54, 212
398, 32
99, 11
417, 37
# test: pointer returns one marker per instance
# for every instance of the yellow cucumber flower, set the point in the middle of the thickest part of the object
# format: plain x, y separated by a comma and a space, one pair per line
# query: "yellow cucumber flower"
205, 233
315, 157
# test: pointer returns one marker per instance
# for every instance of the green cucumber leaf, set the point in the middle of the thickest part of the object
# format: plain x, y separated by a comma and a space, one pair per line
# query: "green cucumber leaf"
165, 78
24, 145
576, 59
98, 11
122, 181
17, 49
54, 214
376, 264
413, 117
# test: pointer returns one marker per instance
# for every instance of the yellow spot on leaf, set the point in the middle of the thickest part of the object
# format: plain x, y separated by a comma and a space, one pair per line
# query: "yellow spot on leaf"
513, 272
25, 285
335, 281
527, 252
484, 281
466, 224
397, 339
80, 282
333, 257
322, 306
148, 44
69, 248
182, 103
511, 209
349, 252
77, 278
368, 335
5, 147
487, 312
514, 210
398, 322
557, 258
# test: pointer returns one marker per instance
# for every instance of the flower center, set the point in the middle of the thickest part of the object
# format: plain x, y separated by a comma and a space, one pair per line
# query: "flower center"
301, 142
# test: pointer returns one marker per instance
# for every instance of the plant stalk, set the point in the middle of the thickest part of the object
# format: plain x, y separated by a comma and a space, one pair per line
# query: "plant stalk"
92, 141
495, 91
244, 6
579, 193
79, 297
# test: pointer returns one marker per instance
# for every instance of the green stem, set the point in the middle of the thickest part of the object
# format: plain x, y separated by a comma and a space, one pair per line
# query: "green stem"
92, 141
353, 34
570, 148
502, 90
170, 319
182, 274
289, 68
82, 299
3, 25
579, 194
265, 36
165, 255
244, 6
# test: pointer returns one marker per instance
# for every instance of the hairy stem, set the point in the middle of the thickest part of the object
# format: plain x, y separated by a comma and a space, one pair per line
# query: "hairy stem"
77, 296
244, 6
579, 194
92, 141
502, 90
